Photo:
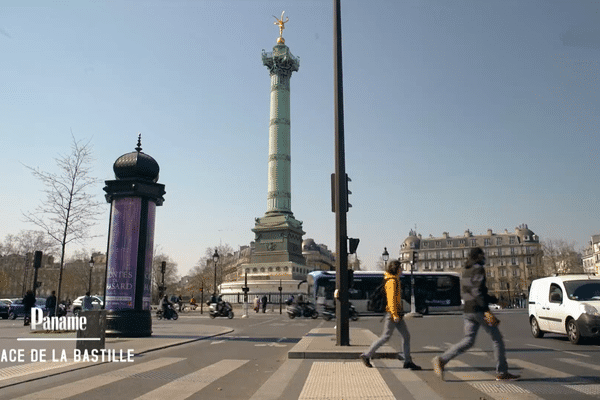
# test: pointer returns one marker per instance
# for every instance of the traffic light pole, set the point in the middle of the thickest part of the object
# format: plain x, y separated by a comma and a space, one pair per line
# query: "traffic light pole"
341, 190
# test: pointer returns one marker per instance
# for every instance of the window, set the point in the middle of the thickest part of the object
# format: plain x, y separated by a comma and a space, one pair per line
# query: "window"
498, 241
499, 252
513, 260
473, 242
511, 240
487, 242
438, 243
513, 251
461, 241
555, 294
528, 260
425, 244
449, 243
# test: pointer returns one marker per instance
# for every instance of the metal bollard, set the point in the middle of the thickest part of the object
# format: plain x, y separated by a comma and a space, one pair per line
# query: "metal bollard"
95, 330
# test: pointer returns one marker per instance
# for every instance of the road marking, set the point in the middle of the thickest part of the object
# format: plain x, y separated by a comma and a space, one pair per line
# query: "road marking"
187, 385
344, 380
486, 383
217, 342
541, 347
84, 385
580, 363
419, 389
274, 387
576, 354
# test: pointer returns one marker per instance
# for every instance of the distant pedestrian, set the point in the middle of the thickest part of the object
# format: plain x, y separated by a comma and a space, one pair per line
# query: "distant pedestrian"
86, 304
393, 318
256, 304
28, 303
180, 302
51, 304
263, 300
476, 314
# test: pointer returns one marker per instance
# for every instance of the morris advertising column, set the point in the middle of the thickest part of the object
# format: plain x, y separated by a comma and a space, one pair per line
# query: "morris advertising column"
134, 195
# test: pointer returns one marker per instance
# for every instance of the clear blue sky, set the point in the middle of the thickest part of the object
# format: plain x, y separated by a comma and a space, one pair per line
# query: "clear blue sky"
459, 115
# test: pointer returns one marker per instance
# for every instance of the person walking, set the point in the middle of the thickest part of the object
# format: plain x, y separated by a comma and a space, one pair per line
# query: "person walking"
86, 304
393, 318
51, 304
28, 303
263, 301
256, 304
476, 314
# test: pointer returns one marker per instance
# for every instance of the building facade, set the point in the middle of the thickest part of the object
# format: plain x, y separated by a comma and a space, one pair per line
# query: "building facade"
514, 259
591, 256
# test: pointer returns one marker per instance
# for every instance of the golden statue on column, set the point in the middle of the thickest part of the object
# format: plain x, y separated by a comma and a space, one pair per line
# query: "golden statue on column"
281, 23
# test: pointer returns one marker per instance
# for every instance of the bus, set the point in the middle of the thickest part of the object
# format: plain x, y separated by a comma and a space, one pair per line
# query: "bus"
434, 291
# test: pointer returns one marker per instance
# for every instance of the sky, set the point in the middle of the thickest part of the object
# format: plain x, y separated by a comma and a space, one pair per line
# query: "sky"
458, 115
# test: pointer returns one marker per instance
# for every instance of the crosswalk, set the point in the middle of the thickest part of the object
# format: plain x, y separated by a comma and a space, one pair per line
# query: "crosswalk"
348, 380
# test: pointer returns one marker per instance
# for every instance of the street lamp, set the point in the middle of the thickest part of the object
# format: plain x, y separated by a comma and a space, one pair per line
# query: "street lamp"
91, 267
386, 257
216, 260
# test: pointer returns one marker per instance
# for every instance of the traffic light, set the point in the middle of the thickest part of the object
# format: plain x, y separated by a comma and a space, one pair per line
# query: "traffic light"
37, 260
334, 193
353, 245
348, 193
163, 267
415, 256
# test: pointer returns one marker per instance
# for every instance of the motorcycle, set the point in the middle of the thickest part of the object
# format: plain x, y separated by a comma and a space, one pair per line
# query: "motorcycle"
62, 310
329, 313
302, 310
173, 313
225, 310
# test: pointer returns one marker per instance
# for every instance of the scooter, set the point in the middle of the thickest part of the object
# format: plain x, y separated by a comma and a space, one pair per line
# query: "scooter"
329, 312
226, 310
174, 315
302, 310
62, 310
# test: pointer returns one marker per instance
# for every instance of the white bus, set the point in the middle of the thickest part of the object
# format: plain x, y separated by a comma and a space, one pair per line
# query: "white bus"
434, 291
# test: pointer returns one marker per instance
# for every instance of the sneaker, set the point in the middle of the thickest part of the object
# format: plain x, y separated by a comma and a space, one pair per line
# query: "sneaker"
366, 360
411, 365
438, 367
507, 376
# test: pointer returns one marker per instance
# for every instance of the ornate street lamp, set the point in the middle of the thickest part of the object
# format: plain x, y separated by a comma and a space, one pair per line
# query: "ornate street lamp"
91, 267
386, 257
216, 260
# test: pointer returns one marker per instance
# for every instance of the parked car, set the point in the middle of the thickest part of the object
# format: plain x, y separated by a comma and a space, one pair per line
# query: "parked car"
17, 308
78, 302
567, 304
495, 307
4, 309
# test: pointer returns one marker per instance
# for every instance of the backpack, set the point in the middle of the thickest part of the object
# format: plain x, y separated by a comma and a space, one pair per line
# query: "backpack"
378, 299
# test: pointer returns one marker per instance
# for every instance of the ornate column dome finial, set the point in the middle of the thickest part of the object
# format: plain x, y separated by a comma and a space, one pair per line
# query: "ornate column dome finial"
139, 143
281, 23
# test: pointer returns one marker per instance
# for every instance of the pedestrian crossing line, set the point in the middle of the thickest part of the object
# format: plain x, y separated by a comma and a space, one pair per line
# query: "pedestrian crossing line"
580, 363
84, 385
418, 388
566, 382
189, 384
486, 383
274, 387
344, 380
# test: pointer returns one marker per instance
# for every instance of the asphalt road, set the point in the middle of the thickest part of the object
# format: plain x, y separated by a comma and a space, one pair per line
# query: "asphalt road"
252, 361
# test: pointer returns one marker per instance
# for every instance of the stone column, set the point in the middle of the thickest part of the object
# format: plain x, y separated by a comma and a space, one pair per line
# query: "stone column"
281, 63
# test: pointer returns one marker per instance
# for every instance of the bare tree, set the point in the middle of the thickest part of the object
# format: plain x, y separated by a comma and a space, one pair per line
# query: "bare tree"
203, 274
561, 257
69, 211
171, 277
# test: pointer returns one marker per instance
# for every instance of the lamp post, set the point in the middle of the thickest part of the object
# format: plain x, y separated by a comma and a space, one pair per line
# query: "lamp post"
216, 261
91, 267
413, 303
386, 257
163, 269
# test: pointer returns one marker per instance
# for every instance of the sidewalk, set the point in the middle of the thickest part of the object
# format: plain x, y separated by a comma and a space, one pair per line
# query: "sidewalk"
321, 343
162, 337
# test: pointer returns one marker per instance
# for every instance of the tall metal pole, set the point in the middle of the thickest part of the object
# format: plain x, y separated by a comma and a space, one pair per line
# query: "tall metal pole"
341, 205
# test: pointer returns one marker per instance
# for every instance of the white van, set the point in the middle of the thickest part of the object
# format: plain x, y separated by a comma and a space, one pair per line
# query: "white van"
567, 304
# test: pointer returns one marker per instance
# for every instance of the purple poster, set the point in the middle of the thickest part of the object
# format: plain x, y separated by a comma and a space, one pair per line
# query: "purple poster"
122, 253
149, 255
